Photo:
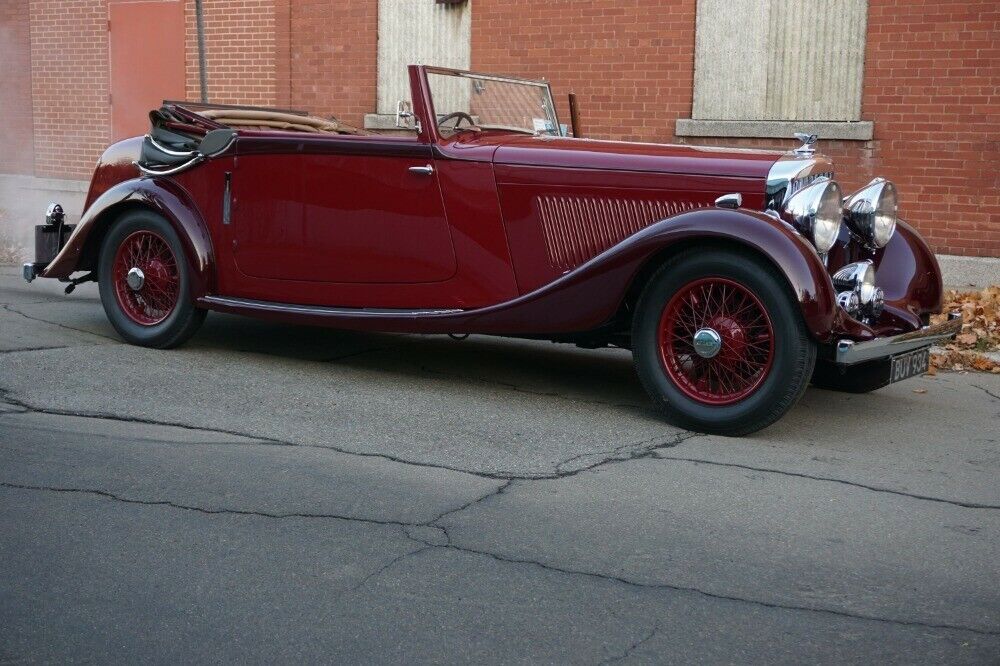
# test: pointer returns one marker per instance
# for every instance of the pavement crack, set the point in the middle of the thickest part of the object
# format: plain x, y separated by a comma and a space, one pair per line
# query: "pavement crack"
388, 565
639, 450
200, 509
9, 308
31, 349
623, 453
450, 545
633, 647
855, 484
621, 580
986, 391
500, 490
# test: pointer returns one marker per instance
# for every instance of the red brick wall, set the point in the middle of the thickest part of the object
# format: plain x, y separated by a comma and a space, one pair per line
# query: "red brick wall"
932, 88
932, 83
16, 134
69, 85
333, 57
240, 51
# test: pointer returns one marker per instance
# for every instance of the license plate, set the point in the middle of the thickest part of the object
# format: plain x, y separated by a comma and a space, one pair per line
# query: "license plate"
909, 365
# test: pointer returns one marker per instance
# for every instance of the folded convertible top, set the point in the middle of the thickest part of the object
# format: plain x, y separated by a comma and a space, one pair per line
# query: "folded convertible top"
265, 119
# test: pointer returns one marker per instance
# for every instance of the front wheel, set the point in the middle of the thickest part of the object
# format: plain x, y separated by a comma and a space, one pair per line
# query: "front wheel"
145, 282
719, 342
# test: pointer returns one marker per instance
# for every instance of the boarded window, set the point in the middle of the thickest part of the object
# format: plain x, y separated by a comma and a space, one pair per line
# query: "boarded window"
418, 32
779, 59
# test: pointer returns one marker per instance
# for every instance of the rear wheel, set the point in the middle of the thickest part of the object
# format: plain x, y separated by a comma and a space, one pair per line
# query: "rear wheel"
719, 342
145, 282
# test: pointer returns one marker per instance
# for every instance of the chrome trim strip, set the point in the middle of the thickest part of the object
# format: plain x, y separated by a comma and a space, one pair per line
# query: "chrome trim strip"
168, 151
169, 172
232, 140
849, 352
318, 310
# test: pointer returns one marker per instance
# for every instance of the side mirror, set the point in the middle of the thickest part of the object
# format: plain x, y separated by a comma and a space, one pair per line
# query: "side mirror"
404, 116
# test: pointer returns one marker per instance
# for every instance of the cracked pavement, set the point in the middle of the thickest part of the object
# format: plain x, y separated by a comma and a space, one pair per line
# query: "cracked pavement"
274, 492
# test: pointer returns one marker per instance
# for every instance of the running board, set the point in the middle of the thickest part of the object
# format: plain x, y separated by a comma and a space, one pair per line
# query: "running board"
246, 305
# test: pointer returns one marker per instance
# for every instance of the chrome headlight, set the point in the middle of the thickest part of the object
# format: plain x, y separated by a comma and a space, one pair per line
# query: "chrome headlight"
871, 212
817, 211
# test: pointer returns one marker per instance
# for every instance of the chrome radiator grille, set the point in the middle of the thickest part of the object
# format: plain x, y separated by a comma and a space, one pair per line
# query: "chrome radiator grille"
579, 228
798, 183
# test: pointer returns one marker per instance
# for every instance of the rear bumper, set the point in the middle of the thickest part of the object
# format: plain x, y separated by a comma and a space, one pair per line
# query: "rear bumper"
849, 352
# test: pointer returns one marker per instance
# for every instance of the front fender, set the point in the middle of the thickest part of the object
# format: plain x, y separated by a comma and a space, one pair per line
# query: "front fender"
909, 274
592, 293
160, 195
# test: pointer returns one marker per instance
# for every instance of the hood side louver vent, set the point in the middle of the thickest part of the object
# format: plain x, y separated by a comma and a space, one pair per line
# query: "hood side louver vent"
579, 228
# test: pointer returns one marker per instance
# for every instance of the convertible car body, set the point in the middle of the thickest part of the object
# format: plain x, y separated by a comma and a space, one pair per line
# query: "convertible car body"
734, 276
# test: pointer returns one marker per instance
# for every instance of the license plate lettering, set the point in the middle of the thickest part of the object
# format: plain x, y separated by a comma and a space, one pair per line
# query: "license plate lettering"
909, 365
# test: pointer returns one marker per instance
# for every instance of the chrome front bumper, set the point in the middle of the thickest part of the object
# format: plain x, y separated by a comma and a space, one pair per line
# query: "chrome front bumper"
849, 352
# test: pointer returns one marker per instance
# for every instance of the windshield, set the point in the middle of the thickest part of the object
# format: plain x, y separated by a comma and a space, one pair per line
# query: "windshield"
464, 101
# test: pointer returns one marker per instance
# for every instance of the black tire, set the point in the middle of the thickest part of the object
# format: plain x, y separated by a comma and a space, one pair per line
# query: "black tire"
860, 378
184, 318
792, 357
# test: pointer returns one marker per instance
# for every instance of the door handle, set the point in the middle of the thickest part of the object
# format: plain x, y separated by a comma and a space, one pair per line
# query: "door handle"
422, 170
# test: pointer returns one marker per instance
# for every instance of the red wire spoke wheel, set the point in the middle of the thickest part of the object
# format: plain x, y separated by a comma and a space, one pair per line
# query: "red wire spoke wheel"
146, 282
716, 341
146, 278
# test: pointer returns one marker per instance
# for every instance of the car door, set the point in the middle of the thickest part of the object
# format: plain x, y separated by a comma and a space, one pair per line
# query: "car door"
342, 209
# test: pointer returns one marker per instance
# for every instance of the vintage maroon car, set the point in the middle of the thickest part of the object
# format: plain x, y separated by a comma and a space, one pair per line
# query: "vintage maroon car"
734, 276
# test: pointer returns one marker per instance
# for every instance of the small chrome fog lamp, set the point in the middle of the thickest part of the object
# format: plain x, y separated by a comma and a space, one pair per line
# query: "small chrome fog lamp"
850, 301
871, 212
858, 280
816, 210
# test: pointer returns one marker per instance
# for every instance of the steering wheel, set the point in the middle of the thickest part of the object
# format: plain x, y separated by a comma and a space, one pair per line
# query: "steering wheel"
460, 115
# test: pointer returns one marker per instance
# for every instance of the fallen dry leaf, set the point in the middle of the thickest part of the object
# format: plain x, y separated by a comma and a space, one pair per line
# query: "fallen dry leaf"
920, 390
980, 312
966, 339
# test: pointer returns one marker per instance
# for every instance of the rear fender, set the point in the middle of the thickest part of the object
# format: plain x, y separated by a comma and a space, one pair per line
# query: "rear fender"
161, 196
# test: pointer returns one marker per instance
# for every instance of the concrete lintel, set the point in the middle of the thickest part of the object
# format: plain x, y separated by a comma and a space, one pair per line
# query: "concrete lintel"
384, 121
860, 130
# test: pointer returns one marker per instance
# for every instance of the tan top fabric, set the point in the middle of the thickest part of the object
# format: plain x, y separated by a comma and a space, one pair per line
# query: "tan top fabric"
277, 120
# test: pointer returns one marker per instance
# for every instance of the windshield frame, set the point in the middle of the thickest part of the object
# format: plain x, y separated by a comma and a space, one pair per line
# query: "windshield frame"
448, 71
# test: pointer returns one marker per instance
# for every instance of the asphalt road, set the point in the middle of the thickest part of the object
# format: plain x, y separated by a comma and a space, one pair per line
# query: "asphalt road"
273, 493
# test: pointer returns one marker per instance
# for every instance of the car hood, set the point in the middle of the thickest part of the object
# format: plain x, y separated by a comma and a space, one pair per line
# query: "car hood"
628, 156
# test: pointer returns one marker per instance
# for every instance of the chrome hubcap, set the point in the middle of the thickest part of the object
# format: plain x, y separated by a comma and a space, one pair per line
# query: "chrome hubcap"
707, 342
135, 279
